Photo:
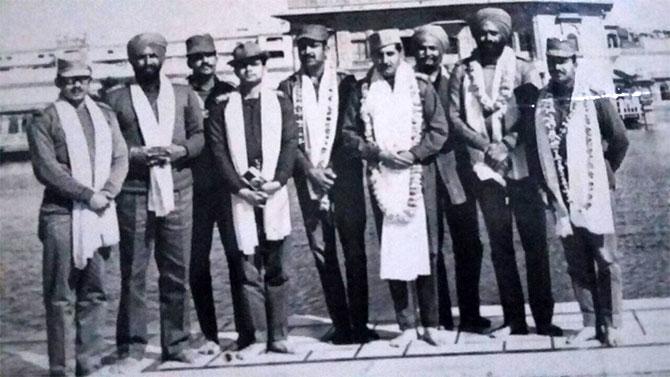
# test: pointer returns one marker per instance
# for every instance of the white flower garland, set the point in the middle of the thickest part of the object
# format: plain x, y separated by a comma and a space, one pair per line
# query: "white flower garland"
324, 201
505, 90
556, 134
415, 194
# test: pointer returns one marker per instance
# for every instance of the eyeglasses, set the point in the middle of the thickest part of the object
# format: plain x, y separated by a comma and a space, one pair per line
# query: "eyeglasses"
75, 79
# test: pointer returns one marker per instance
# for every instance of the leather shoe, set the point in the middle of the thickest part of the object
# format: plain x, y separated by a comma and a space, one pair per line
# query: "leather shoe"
337, 336
364, 335
549, 330
477, 325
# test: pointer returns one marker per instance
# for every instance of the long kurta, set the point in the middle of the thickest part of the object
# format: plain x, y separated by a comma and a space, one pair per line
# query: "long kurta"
435, 131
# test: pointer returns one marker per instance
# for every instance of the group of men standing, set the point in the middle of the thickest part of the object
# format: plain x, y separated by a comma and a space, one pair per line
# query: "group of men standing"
157, 166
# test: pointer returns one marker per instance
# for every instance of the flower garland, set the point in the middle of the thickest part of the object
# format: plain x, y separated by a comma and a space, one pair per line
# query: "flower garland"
505, 90
556, 134
324, 201
415, 194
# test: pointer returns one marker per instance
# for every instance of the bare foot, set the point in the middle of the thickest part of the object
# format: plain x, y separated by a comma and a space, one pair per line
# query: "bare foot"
250, 351
581, 339
209, 348
281, 346
435, 337
404, 338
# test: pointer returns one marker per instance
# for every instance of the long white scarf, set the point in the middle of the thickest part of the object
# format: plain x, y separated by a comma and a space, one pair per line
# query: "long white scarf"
157, 133
588, 188
319, 117
404, 244
501, 102
276, 214
90, 230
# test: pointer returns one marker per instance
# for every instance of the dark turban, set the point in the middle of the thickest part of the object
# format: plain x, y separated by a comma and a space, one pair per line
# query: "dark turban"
434, 31
138, 43
497, 16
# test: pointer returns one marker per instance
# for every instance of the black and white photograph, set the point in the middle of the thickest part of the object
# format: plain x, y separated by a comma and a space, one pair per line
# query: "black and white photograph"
334, 188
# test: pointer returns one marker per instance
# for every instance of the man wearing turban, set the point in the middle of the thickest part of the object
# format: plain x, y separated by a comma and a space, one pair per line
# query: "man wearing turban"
163, 127
487, 93
429, 44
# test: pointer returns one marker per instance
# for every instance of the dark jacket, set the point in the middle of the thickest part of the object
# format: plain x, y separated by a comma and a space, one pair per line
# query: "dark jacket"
188, 132
51, 164
435, 132
612, 132
526, 76
447, 159
216, 134
349, 170
205, 180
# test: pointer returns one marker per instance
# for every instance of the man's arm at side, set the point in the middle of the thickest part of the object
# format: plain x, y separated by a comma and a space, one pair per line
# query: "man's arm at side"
195, 139
119, 168
613, 132
455, 110
436, 128
353, 130
302, 162
45, 164
289, 142
216, 133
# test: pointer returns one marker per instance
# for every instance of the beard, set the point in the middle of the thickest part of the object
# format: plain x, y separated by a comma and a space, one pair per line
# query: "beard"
428, 64
148, 73
491, 48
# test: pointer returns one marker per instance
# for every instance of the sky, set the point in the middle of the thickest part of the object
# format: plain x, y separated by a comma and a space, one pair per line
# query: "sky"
29, 24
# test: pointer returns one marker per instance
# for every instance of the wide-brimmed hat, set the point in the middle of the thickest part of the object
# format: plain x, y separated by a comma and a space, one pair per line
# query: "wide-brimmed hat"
314, 32
384, 37
200, 44
246, 52
562, 48
73, 66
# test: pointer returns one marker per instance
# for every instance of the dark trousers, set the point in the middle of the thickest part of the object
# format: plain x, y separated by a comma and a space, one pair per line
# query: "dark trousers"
426, 288
426, 294
170, 236
347, 307
498, 205
71, 295
263, 288
467, 247
207, 211
596, 276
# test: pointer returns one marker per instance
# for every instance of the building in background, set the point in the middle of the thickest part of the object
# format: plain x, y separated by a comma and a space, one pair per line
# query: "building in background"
534, 22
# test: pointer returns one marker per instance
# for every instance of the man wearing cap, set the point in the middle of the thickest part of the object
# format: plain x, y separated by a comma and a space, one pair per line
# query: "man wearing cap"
456, 200
330, 185
202, 59
488, 106
162, 125
580, 143
254, 140
394, 121
79, 154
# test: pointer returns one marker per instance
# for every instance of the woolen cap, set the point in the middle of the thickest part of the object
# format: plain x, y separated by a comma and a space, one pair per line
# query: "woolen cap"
384, 37
314, 32
562, 48
73, 66
248, 51
200, 44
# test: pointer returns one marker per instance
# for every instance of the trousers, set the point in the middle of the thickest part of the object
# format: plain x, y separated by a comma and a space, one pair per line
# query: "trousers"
71, 295
596, 276
521, 201
169, 239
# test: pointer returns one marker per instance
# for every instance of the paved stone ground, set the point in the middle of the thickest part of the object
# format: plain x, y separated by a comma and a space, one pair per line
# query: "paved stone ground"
645, 351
